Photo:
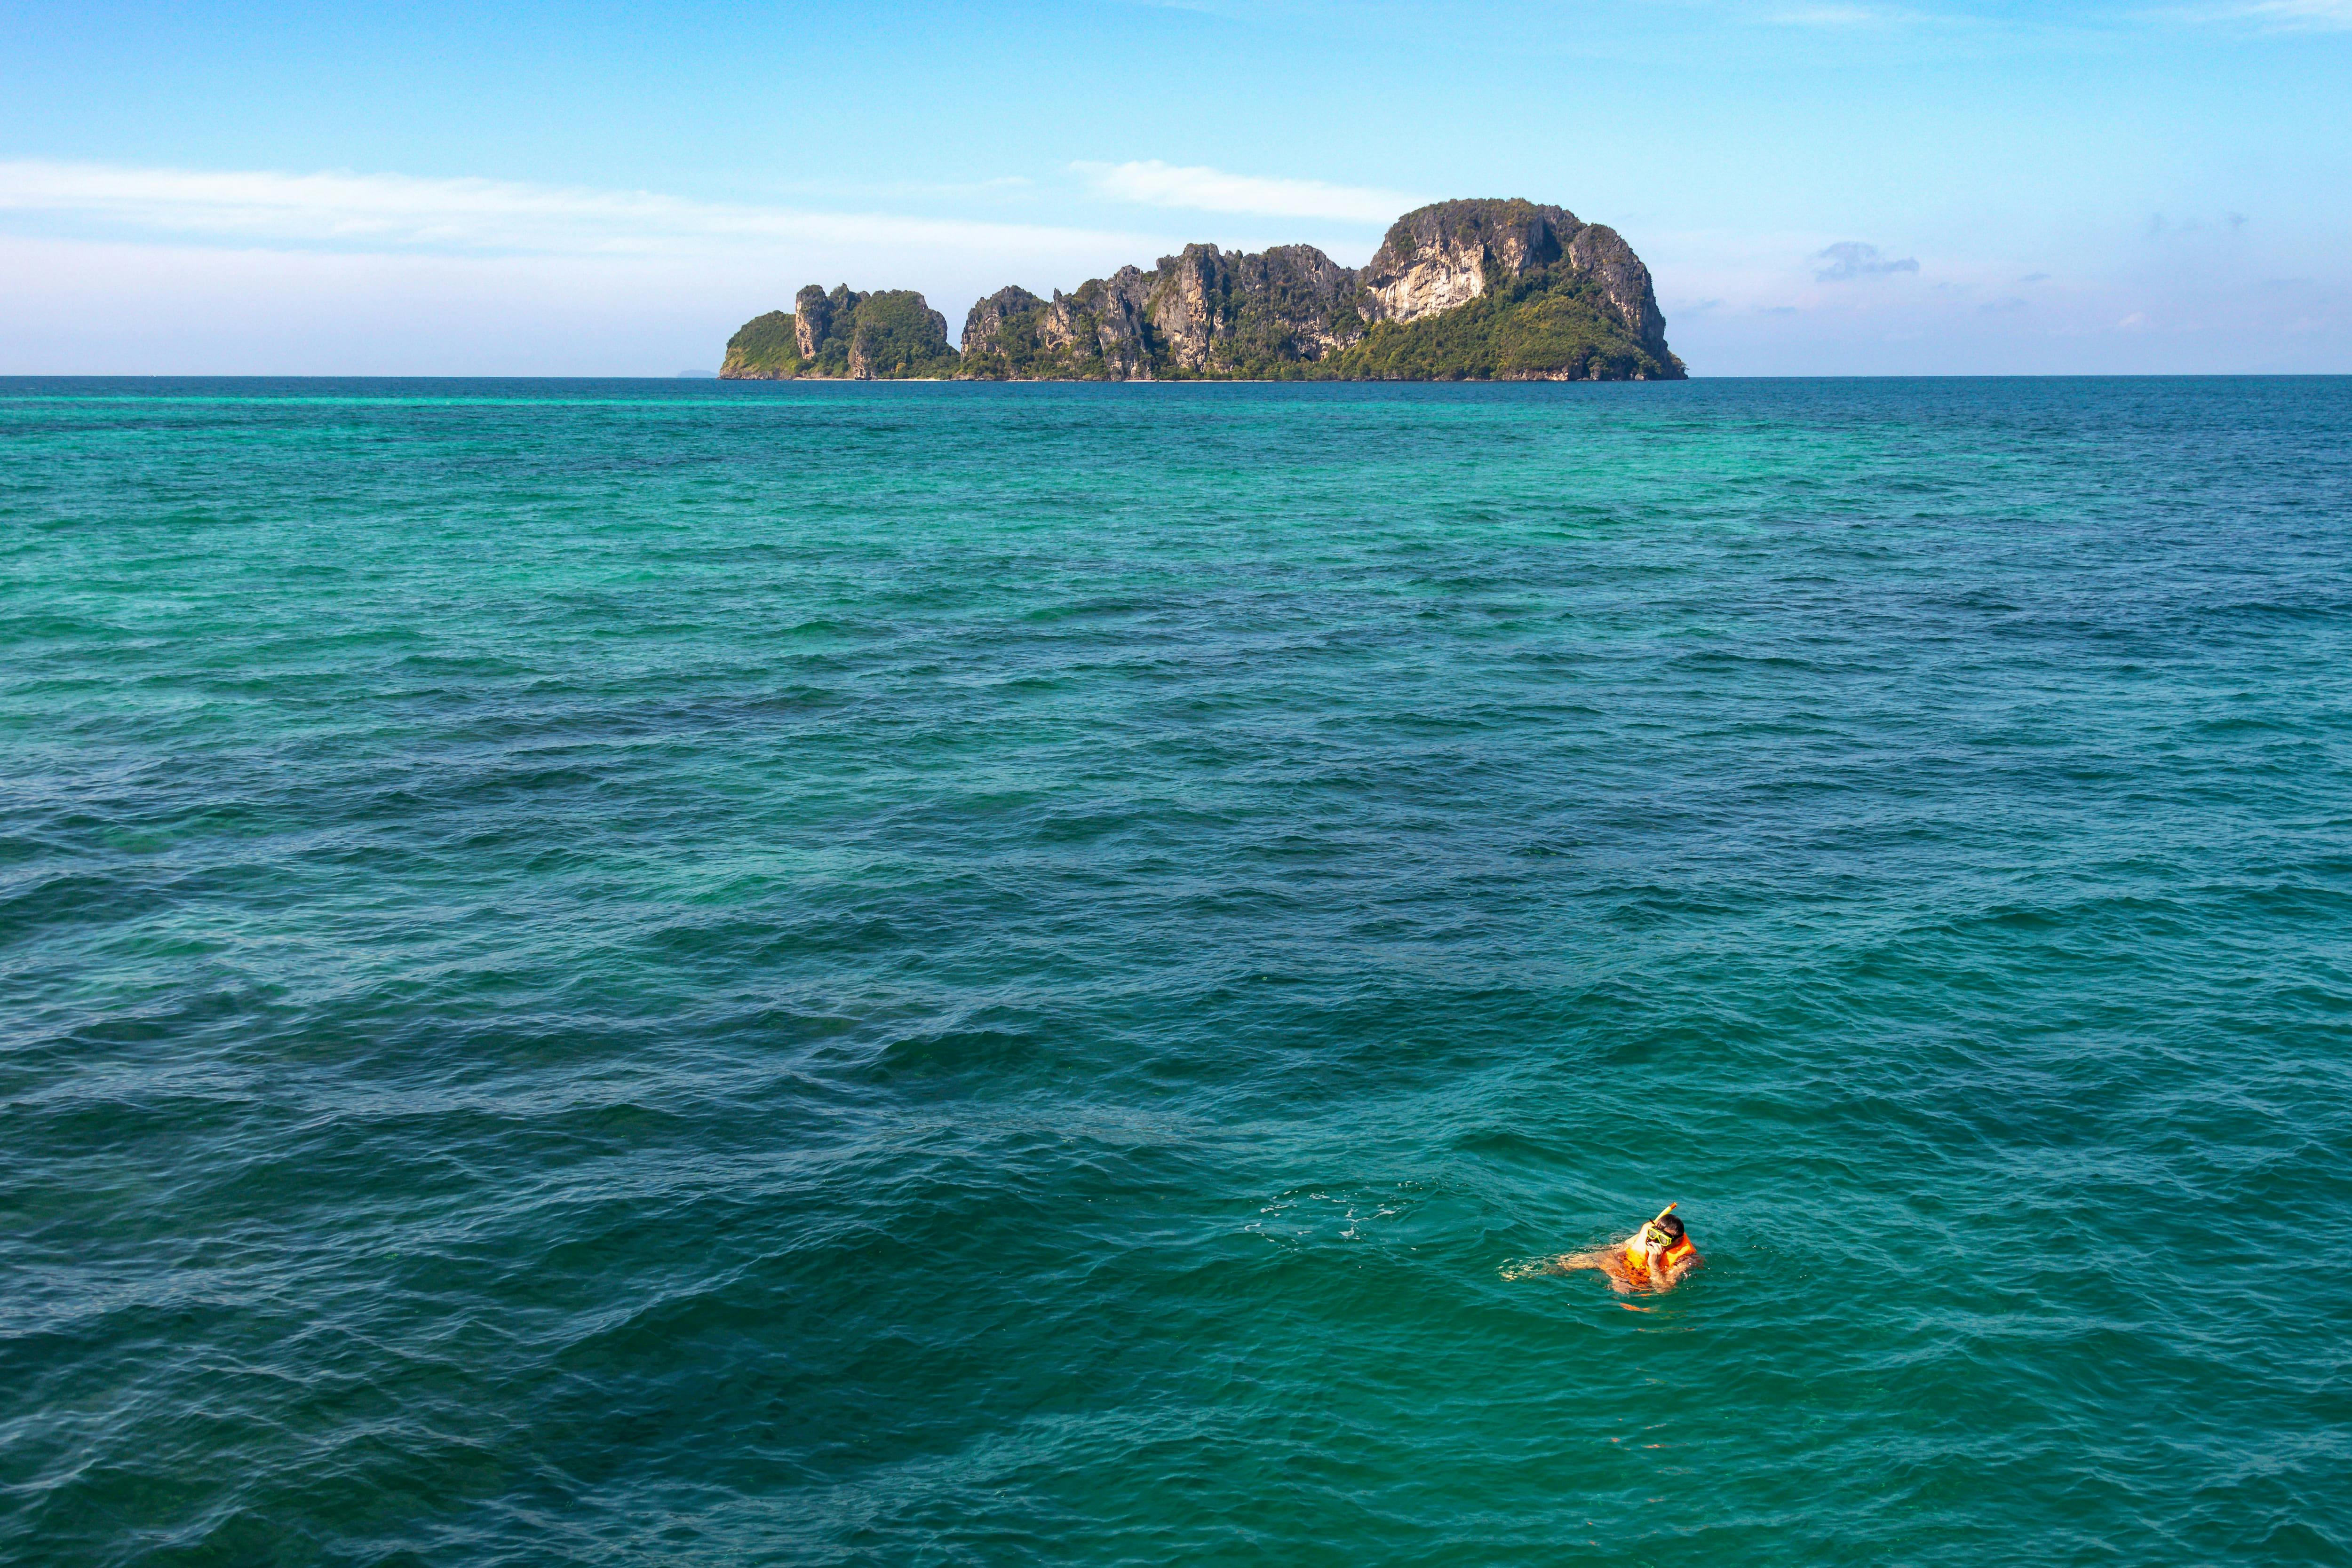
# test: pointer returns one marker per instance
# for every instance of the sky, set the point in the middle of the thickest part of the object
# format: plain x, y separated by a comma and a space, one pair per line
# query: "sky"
1820, 187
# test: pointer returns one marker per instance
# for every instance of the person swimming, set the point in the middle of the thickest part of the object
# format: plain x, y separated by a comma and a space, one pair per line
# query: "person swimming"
1655, 1258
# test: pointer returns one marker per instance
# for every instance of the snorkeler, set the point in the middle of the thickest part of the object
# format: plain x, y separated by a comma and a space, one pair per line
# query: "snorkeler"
1655, 1258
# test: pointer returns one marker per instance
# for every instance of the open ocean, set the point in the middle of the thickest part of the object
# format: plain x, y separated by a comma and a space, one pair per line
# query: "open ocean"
689, 973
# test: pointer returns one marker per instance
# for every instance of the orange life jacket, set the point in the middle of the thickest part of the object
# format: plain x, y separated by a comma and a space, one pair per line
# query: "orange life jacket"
1669, 1260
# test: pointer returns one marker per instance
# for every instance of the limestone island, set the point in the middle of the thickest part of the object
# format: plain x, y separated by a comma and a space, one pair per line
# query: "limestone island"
1471, 290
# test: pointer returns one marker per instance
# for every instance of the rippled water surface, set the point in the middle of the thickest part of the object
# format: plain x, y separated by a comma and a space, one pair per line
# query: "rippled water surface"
632, 973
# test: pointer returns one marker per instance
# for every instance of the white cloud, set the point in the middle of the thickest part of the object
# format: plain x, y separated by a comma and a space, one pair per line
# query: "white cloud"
398, 212
1158, 185
176, 271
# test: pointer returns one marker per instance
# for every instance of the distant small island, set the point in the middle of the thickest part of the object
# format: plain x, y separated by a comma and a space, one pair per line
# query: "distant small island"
1468, 290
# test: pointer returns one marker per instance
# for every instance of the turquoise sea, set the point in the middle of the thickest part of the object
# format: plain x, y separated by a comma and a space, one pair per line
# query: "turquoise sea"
644, 973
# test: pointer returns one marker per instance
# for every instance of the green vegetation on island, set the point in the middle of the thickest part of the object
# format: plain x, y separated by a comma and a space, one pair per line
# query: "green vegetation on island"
887, 336
1551, 325
763, 348
1474, 291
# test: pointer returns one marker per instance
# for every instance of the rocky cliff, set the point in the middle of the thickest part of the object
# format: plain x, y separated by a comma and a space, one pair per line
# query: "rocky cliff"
1461, 290
887, 336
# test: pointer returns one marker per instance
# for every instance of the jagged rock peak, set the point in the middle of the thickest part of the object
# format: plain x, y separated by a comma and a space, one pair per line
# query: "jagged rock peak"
983, 324
814, 311
1556, 298
843, 335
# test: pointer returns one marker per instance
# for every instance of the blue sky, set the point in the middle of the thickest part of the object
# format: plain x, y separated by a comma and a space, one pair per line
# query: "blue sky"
1819, 186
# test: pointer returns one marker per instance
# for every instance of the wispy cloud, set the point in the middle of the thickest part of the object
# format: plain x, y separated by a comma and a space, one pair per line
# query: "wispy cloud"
1829, 17
399, 211
2281, 16
1158, 185
2158, 225
1850, 258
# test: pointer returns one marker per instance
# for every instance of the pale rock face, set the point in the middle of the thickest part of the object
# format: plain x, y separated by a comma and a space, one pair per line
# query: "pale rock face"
1438, 258
1113, 311
1106, 317
1438, 283
1205, 296
813, 311
1204, 306
1189, 306
1448, 255
811, 314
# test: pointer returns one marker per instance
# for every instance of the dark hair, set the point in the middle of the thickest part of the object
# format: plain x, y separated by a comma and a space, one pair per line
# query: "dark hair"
1671, 1227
